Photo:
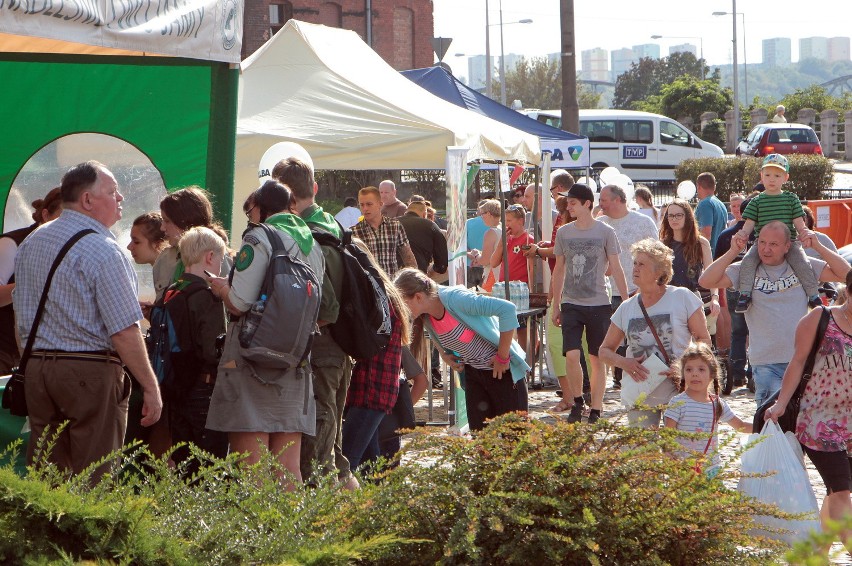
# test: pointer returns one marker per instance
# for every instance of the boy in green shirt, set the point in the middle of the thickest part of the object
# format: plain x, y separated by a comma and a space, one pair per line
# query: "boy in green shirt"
775, 204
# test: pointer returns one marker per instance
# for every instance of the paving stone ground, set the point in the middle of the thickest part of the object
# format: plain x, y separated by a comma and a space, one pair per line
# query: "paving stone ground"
741, 402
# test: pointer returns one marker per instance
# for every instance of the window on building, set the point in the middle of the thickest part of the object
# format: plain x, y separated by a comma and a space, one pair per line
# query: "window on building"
279, 14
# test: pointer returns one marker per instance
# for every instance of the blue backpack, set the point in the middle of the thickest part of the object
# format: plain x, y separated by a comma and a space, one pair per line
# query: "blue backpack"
169, 340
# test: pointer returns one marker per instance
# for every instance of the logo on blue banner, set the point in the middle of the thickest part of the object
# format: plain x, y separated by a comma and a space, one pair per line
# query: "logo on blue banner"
635, 152
574, 151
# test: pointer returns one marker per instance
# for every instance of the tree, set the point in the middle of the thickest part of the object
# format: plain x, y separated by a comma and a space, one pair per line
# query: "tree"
537, 83
648, 76
688, 96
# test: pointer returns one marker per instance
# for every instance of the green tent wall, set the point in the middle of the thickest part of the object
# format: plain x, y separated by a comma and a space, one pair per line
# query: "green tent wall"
181, 113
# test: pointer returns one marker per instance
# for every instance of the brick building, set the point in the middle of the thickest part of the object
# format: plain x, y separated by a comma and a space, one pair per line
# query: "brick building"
400, 30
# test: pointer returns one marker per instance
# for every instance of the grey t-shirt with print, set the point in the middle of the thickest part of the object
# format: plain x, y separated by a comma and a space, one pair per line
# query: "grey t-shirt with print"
778, 301
586, 253
630, 229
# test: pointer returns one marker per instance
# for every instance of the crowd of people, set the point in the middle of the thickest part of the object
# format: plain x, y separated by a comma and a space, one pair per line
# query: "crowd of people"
627, 285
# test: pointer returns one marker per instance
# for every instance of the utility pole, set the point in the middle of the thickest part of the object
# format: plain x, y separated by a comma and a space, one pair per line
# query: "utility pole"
570, 106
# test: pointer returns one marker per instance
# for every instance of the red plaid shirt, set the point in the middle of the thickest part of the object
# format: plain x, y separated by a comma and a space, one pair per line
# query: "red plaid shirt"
375, 382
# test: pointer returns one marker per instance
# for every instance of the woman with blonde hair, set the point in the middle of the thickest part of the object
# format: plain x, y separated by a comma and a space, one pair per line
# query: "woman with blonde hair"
660, 320
474, 334
643, 197
489, 211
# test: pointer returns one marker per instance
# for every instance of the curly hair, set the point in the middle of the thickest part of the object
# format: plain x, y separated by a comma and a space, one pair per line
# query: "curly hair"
660, 254
691, 238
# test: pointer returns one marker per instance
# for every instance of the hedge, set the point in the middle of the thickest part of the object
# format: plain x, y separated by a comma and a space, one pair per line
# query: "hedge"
810, 175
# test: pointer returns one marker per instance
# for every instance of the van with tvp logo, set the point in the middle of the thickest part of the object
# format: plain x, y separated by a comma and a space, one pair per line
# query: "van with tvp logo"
644, 146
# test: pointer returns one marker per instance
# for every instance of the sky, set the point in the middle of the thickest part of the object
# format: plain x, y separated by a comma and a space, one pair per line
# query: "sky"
613, 24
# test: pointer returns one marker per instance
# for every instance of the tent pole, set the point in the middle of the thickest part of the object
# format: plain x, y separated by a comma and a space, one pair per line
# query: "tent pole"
504, 238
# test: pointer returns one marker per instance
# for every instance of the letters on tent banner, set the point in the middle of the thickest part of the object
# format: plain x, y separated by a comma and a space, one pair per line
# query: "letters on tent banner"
199, 29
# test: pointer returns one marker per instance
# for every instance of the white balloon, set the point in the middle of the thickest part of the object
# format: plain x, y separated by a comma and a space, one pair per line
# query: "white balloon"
608, 175
279, 151
588, 182
686, 190
626, 183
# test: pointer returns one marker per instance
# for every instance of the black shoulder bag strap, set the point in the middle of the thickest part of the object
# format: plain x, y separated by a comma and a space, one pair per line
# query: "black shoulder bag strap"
809, 364
653, 331
22, 366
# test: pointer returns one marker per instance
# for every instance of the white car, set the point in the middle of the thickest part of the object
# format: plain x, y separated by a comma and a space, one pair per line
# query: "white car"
642, 145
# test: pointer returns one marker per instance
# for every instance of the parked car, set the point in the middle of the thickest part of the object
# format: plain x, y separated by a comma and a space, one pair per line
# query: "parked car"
780, 138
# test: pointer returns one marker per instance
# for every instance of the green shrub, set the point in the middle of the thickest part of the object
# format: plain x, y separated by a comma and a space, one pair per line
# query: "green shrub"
714, 132
527, 492
522, 492
810, 175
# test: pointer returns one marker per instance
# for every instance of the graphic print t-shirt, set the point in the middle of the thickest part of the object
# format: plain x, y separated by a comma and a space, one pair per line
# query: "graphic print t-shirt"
778, 301
670, 316
586, 253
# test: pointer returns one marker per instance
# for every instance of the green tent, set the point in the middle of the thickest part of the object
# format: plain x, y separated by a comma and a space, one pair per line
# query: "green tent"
78, 77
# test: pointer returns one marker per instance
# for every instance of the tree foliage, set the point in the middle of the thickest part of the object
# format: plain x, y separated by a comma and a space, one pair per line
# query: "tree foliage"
688, 96
537, 83
649, 76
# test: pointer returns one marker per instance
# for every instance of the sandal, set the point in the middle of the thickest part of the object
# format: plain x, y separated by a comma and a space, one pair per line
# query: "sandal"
562, 407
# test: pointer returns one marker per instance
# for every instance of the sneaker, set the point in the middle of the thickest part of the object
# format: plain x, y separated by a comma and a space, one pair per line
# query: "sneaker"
576, 414
594, 417
743, 303
437, 380
616, 384
815, 302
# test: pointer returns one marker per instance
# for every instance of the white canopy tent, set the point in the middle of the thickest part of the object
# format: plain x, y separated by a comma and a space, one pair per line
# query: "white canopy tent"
325, 89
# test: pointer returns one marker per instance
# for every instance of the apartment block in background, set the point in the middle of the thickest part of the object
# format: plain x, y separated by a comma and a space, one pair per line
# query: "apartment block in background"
777, 52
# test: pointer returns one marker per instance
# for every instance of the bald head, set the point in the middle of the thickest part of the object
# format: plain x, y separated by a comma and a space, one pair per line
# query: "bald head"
387, 190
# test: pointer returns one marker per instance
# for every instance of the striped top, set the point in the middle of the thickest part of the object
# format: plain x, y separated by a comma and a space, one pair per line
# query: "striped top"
765, 208
694, 416
474, 350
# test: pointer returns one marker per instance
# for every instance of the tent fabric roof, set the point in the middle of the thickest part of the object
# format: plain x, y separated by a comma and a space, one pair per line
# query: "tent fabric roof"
440, 82
325, 89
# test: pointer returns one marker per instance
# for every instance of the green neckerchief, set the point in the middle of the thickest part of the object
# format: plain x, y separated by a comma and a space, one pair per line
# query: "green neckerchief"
179, 268
314, 214
295, 227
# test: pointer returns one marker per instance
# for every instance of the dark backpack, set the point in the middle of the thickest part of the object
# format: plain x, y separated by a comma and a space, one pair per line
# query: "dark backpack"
363, 326
169, 340
278, 331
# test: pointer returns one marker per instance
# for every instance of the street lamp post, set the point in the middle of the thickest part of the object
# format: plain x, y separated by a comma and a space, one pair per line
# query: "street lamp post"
745, 56
700, 41
488, 90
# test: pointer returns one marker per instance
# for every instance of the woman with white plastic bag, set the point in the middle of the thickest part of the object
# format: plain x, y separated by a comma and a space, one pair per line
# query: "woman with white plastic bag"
824, 423
784, 483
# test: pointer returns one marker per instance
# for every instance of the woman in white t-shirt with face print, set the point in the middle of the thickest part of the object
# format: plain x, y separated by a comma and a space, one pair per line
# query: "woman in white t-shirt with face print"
677, 317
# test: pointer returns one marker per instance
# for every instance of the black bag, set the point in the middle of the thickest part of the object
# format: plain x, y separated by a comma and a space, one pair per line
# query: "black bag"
170, 341
14, 395
788, 420
363, 326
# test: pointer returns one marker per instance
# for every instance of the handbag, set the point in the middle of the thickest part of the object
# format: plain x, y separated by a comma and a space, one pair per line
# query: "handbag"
14, 396
788, 420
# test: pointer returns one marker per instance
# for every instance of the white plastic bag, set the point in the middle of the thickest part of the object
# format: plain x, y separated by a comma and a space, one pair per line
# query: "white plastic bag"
788, 487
